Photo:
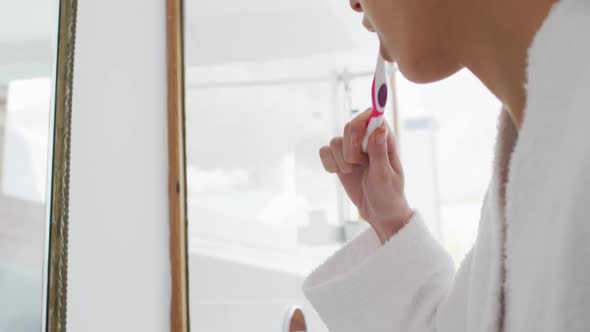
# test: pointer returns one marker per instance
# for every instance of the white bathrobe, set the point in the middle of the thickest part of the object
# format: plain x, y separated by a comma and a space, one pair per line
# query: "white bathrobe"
529, 269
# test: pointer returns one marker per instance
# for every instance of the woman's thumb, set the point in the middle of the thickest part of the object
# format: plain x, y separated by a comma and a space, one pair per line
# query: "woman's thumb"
377, 149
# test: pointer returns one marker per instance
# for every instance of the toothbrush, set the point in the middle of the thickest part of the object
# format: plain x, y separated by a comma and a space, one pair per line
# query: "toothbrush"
379, 99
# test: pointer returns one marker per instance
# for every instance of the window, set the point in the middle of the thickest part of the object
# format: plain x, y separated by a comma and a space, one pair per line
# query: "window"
254, 132
448, 135
253, 135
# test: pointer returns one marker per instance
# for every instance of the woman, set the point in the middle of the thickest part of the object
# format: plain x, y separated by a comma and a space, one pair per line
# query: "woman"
529, 269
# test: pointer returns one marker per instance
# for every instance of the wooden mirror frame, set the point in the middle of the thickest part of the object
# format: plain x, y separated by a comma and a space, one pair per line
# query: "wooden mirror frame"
179, 313
56, 260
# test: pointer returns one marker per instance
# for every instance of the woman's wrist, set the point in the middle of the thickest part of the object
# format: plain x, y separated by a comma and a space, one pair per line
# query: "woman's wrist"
387, 230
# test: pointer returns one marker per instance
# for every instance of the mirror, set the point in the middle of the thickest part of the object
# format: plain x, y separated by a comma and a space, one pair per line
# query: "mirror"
33, 161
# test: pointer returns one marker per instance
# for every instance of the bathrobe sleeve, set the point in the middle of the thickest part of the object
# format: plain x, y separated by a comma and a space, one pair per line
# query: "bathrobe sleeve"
406, 284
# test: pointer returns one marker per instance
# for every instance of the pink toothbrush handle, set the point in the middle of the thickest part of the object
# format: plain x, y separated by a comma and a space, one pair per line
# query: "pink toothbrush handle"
376, 117
374, 110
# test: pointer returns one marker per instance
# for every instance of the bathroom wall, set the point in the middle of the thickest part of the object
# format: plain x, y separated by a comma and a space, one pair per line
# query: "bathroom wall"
118, 265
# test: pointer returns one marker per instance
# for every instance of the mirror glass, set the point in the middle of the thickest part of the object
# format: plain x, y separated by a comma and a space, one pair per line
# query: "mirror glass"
267, 83
27, 54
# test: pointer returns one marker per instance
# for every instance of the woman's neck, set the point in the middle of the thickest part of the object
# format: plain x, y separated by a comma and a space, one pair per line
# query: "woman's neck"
495, 49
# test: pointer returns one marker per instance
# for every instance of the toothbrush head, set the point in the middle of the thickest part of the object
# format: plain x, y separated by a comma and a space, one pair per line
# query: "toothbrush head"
379, 93
379, 89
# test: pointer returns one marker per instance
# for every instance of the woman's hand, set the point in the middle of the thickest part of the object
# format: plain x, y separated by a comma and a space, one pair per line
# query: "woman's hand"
374, 182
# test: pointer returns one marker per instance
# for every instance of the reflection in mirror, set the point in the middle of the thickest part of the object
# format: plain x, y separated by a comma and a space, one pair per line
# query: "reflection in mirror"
27, 55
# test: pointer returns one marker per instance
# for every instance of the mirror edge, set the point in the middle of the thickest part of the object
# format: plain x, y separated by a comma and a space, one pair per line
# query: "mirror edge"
56, 260
179, 304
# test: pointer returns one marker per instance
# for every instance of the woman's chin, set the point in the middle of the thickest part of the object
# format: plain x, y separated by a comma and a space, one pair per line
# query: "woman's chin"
426, 71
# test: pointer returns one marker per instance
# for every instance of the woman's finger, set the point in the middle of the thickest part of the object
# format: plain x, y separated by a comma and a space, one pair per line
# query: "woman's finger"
358, 125
328, 160
354, 132
393, 153
336, 145
378, 153
347, 143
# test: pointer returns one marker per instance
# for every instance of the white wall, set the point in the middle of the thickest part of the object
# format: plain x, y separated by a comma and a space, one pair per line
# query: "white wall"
118, 264
227, 296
